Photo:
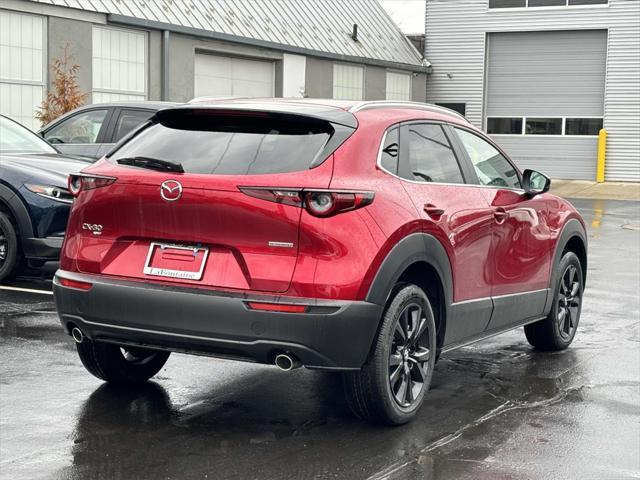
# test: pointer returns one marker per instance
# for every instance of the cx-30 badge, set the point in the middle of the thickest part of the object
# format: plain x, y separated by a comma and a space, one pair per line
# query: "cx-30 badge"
171, 190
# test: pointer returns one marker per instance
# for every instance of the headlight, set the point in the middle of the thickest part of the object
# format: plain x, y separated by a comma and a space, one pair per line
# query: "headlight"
54, 193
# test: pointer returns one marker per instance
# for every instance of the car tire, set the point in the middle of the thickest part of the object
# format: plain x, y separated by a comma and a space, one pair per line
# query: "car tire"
10, 255
391, 386
557, 331
118, 365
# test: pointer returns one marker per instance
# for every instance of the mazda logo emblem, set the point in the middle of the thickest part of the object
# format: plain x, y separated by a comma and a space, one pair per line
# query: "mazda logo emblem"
171, 190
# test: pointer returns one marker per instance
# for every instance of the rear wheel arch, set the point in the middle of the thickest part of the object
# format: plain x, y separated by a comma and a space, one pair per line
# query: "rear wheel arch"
419, 259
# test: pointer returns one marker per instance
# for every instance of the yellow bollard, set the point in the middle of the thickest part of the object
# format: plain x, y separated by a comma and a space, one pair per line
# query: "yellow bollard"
602, 151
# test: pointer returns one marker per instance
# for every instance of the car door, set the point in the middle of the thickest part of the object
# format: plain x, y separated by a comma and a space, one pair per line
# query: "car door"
521, 237
456, 213
80, 134
124, 120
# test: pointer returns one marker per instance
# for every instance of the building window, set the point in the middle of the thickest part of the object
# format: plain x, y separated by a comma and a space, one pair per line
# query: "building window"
544, 126
398, 86
22, 66
583, 126
507, 3
119, 65
509, 126
348, 82
542, 3
461, 108
547, 3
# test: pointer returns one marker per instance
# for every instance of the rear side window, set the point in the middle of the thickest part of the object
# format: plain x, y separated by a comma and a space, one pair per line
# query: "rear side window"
428, 155
129, 120
231, 143
390, 151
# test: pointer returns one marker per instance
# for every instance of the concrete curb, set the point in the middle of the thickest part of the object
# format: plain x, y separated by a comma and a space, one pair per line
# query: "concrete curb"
602, 191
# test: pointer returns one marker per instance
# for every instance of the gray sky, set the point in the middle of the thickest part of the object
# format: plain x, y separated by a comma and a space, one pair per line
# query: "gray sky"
408, 14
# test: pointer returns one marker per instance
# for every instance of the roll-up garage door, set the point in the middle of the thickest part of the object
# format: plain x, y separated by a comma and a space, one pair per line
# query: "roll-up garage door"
221, 76
545, 98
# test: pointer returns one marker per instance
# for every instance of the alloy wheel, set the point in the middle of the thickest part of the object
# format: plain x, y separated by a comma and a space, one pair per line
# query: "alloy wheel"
409, 355
568, 302
4, 246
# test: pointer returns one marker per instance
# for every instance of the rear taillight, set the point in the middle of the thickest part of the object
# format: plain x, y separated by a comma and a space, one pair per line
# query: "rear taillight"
81, 182
320, 203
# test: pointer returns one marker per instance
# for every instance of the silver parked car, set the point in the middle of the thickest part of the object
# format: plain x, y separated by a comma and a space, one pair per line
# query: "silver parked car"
91, 130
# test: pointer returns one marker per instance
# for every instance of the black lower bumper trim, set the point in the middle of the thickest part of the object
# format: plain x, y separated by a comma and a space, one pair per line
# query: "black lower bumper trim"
42, 248
213, 323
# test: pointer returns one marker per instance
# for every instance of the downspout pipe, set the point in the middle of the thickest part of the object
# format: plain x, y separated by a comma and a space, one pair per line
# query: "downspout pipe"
166, 38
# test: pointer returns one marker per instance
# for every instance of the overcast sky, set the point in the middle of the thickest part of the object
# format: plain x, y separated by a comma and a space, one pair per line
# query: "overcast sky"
408, 14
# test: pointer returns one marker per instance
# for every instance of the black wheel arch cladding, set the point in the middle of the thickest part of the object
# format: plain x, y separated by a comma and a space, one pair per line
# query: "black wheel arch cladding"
18, 211
414, 248
573, 229
411, 250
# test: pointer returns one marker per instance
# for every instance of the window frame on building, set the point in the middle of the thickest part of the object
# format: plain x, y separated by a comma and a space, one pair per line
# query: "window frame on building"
336, 69
459, 107
397, 95
10, 82
525, 4
563, 119
102, 94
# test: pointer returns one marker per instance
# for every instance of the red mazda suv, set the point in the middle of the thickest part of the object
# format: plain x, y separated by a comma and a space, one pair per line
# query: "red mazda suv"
360, 237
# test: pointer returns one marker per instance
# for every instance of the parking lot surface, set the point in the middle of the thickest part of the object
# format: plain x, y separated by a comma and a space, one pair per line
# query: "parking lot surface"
496, 410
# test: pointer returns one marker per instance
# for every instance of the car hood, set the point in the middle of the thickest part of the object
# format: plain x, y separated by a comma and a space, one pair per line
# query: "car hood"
56, 168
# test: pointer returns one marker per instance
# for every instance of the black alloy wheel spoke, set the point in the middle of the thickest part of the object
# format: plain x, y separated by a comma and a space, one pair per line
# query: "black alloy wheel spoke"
420, 355
4, 246
568, 301
395, 359
408, 356
396, 375
401, 394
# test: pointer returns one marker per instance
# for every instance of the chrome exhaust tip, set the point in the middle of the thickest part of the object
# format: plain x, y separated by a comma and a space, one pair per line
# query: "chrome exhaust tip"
285, 362
77, 335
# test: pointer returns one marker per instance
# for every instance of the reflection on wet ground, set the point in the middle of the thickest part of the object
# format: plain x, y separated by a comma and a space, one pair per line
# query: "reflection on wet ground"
496, 410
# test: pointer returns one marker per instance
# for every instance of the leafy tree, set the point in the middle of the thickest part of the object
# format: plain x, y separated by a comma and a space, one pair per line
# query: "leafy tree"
65, 94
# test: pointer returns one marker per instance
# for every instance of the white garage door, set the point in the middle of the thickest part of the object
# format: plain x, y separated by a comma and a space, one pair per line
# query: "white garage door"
220, 76
545, 99
22, 66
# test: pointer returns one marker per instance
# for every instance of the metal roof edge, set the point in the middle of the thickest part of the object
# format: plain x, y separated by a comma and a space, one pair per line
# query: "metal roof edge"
155, 25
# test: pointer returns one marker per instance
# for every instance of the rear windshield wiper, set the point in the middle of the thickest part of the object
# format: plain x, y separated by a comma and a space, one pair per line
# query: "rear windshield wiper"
152, 163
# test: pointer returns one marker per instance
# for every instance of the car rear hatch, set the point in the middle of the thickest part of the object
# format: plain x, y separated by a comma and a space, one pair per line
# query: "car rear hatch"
179, 210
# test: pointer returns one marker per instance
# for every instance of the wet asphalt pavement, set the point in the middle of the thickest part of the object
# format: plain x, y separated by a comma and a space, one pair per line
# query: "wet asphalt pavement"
496, 410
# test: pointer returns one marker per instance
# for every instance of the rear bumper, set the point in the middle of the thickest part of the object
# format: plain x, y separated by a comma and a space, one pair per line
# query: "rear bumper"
331, 335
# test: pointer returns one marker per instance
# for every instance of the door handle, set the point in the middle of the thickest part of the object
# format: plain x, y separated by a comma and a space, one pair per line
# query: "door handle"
500, 214
433, 211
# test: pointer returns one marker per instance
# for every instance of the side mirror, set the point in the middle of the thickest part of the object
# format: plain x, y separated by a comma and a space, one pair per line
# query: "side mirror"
535, 183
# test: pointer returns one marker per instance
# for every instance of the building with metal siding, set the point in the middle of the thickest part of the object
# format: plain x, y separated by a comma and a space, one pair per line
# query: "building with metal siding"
525, 72
176, 50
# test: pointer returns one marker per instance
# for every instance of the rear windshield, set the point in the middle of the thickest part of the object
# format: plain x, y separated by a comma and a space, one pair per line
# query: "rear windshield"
231, 143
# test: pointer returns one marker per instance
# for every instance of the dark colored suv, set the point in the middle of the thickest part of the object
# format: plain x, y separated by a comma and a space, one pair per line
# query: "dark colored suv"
34, 200
365, 238
92, 130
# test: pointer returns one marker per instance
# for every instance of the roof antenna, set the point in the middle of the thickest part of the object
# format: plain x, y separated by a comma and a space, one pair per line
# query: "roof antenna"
354, 33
